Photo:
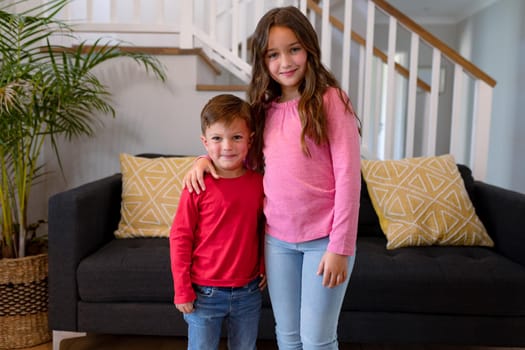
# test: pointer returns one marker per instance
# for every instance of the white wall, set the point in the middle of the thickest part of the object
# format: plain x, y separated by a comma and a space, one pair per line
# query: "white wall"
494, 40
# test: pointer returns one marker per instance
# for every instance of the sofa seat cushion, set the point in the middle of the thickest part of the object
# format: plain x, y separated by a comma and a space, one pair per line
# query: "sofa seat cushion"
435, 279
129, 270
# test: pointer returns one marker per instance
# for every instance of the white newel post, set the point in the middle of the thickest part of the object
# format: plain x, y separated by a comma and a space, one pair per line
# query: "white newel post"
481, 129
459, 125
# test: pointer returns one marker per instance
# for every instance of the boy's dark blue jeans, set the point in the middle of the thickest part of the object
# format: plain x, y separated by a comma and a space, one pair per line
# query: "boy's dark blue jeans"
240, 307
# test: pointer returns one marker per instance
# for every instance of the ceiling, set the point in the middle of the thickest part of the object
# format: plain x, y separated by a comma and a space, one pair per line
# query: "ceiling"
439, 11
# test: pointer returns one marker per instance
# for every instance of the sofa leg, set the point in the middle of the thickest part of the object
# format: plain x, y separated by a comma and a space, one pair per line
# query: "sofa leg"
58, 336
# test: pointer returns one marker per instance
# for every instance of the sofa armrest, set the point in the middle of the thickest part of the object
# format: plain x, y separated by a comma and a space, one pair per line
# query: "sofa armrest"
81, 220
503, 212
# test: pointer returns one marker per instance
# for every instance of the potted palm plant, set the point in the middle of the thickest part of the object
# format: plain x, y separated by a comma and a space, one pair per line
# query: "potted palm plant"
46, 91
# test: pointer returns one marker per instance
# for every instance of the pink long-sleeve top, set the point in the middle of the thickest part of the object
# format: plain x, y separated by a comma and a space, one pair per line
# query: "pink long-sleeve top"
313, 197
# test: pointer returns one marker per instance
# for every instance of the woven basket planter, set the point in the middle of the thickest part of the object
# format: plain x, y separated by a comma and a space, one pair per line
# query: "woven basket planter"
23, 305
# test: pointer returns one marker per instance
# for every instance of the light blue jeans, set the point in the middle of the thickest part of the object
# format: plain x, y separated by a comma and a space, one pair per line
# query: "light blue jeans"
240, 307
306, 313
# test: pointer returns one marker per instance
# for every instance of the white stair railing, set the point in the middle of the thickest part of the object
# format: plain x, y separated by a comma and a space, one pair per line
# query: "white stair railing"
403, 113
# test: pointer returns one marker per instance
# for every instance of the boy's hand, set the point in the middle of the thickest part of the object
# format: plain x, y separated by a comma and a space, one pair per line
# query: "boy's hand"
194, 178
334, 268
262, 283
186, 308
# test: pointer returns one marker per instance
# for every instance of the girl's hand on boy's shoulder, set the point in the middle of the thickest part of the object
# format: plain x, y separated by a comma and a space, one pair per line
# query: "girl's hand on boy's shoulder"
263, 282
194, 178
186, 308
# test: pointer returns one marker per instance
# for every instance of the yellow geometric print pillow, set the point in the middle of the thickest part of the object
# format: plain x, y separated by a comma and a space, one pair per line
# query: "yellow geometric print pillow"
423, 201
150, 194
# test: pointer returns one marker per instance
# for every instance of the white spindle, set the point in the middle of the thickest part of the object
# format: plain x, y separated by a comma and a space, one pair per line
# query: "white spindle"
347, 41
481, 129
243, 32
361, 81
66, 13
113, 13
412, 95
212, 18
303, 4
458, 120
431, 124
186, 20
89, 11
235, 28
368, 61
136, 11
259, 10
390, 90
378, 131
159, 15
426, 113
326, 34
312, 17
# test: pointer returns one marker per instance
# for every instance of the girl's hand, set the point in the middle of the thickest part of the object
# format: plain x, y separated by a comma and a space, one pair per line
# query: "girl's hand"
334, 268
194, 178
262, 283
186, 308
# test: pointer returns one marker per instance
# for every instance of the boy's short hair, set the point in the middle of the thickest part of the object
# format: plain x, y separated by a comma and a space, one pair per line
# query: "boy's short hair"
225, 108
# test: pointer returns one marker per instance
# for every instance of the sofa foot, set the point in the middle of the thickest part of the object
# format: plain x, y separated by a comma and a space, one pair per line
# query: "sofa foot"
58, 336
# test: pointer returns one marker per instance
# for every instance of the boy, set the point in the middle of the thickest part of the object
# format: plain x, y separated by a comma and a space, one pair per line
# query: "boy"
215, 244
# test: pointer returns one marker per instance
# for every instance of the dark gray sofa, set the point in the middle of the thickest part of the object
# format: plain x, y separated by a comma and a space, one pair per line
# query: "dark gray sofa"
425, 295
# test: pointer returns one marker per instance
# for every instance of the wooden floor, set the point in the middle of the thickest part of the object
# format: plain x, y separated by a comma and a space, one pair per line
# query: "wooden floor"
176, 344
47, 346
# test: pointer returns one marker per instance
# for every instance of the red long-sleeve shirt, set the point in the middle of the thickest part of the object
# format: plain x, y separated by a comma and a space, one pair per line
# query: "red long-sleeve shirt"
214, 239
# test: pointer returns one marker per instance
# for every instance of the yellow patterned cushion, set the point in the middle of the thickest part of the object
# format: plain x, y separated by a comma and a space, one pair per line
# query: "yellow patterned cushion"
423, 201
150, 194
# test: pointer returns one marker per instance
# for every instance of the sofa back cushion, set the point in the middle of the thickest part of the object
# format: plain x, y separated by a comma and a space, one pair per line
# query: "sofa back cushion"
151, 188
369, 221
423, 201
368, 224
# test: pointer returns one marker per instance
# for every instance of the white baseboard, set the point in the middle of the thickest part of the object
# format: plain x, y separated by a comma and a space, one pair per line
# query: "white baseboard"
58, 336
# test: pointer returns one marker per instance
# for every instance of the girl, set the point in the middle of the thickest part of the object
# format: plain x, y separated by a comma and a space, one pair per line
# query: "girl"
307, 145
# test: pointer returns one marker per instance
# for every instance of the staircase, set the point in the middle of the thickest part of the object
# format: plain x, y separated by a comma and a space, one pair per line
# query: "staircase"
414, 95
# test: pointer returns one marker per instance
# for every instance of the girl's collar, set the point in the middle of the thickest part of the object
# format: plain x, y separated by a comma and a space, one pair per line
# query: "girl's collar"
278, 101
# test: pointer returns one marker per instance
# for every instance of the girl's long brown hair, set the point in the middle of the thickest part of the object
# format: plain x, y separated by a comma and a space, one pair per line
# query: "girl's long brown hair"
263, 89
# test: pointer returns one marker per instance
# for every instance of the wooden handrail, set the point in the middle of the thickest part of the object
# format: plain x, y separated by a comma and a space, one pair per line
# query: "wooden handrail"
433, 41
361, 41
